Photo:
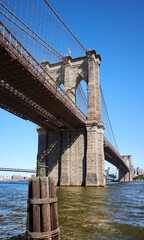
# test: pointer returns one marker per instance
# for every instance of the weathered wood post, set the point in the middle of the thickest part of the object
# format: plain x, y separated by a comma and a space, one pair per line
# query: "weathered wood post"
42, 216
53, 208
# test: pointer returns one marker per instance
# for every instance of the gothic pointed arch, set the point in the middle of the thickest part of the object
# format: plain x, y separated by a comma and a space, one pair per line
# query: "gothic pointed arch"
81, 93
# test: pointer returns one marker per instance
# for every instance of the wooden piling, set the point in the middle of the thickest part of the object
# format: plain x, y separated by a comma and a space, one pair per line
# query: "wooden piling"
36, 207
46, 222
53, 207
42, 215
29, 209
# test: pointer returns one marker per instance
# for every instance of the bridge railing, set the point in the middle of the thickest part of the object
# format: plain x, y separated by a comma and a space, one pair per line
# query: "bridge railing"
39, 71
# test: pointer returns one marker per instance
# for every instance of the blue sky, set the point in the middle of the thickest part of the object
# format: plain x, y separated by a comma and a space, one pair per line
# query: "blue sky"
116, 30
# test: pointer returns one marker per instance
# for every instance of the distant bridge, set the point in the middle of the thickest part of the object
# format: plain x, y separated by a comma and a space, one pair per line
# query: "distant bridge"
18, 170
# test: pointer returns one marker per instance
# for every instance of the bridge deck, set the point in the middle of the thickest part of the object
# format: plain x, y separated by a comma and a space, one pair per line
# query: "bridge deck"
29, 92
113, 157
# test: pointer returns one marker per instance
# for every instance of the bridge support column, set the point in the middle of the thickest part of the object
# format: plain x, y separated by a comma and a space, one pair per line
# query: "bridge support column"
126, 177
122, 176
65, 159
95, 156
95, 127
62, 155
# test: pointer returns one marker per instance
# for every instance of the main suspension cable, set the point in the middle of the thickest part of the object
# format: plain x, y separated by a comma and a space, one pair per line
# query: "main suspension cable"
109, 119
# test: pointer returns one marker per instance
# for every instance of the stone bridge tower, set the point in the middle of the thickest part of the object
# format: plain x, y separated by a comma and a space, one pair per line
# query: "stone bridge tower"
128, 177
76, 156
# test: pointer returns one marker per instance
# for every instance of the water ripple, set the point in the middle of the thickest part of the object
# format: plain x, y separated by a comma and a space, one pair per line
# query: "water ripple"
115, 212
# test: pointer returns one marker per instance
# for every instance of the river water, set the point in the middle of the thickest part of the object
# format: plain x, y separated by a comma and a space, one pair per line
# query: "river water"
114, 212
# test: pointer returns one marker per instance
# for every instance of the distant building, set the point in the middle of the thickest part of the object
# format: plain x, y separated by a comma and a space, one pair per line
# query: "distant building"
18, 177
26, 178
138, 171
141, 171
3, 178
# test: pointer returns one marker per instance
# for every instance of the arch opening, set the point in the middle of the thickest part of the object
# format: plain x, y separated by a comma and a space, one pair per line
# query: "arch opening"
81, 95
62, 86
127, 162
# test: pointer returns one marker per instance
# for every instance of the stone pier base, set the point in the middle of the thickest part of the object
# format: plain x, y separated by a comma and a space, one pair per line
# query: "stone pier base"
72, 157
126, 177
95, 156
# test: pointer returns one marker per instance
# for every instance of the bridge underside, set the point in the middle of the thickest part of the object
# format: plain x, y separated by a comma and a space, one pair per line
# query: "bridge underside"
31, 95
113, 157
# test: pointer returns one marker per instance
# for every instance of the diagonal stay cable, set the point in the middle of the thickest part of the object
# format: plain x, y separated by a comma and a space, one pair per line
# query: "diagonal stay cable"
83, 95
55, 52
29, 34
65, 25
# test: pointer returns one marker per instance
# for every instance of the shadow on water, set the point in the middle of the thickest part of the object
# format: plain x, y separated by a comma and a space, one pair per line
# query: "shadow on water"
115, 212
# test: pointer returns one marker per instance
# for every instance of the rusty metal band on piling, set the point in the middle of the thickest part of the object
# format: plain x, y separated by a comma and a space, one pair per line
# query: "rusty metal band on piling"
42, 201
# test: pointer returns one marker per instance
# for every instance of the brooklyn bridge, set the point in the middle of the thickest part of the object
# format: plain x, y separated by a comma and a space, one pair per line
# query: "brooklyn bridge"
41, 81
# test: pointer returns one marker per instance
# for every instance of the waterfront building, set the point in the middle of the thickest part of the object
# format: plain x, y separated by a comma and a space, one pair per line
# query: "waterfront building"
141, 171
138, 171
18, 177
